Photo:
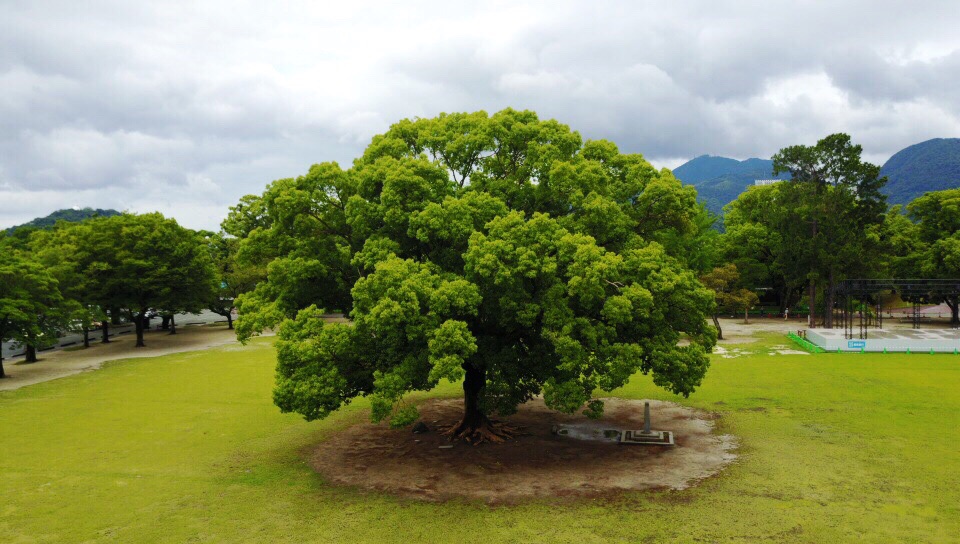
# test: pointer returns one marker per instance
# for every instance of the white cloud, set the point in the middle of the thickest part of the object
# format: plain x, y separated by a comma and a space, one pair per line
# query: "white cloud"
184, 106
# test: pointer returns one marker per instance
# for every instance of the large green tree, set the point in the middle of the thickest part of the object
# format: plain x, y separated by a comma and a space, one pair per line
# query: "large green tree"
55, 251
825, 221
233, 277
936, 252
766, 239
501, 250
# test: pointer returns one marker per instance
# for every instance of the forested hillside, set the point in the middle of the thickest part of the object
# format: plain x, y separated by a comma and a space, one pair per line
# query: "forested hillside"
933, 165
71, 215
720, 180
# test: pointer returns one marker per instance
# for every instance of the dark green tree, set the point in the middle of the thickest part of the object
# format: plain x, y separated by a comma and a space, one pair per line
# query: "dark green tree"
767, 240
51, 248
136, 264
842, 210
936, 250
234, 278
31, 306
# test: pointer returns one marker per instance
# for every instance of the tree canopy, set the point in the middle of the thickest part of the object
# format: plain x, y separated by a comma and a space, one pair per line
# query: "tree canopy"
132, 263
233, 277
820, 227
501, 250
934, 250
31, 306
724, 281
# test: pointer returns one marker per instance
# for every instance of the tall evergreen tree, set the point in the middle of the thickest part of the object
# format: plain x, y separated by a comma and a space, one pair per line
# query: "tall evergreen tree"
842, 209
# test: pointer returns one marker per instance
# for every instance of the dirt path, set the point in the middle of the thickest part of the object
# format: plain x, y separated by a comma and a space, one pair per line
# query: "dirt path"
537, 464
735, 331
60, 363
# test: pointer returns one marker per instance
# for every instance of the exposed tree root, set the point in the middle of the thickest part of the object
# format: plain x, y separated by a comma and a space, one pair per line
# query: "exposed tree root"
474, 433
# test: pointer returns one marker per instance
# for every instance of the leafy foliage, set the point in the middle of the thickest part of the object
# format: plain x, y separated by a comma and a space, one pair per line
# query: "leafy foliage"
724, 281
930, 247
233, 277
31, 306
131, 262
499, 249
817, 229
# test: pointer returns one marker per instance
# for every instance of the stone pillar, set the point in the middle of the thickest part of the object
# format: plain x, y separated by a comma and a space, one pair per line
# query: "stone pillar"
646, 418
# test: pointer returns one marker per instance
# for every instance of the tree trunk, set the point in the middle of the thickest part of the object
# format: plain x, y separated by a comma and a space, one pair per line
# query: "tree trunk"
954, 304
2, 373
86, 337
828, 311
746, 316
173, 324
165, 324
716, 323
138, 325
106, 332
473, 382
474, 426
229, 321
31, 354
812, 321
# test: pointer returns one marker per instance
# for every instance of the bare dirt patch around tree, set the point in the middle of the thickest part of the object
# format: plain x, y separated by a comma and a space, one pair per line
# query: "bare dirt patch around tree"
535, 464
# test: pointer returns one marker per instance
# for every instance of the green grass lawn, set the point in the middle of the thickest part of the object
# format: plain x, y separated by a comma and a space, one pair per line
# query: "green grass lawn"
189, 448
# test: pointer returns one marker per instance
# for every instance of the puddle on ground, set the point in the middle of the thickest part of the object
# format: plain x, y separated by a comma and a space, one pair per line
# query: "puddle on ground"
732, 353
587, 431
785, 350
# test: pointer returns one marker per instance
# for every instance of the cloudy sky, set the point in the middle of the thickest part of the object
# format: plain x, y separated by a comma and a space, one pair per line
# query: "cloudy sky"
185, 107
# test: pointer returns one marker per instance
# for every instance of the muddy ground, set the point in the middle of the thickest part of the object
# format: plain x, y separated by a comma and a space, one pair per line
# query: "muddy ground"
536, 464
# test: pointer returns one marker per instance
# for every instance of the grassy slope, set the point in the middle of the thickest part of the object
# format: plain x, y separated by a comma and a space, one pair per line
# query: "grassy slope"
189, 448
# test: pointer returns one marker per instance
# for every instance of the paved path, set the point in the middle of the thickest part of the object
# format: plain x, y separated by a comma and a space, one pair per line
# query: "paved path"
60, 363
12, 351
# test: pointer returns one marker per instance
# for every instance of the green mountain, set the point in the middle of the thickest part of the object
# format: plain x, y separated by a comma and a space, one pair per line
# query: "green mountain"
71, 215
720, 180
933, 165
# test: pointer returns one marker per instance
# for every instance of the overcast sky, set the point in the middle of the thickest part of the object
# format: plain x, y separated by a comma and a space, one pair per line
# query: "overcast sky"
145, 106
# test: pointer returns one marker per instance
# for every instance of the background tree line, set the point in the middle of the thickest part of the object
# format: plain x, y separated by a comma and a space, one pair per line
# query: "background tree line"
830, 223
78, 276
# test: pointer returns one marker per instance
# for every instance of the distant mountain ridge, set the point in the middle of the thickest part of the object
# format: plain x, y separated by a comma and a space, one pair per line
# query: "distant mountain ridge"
720, 180
933, 165
70, 215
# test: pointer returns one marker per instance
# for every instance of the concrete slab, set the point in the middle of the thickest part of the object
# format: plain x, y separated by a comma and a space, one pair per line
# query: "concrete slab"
651, 438
891, 340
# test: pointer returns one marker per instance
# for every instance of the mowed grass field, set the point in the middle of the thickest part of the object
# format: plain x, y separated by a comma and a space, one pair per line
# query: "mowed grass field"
189, 448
